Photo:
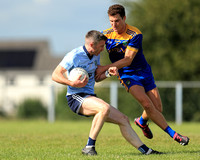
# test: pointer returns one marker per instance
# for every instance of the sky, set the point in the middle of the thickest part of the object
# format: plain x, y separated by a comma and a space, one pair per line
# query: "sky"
63, 23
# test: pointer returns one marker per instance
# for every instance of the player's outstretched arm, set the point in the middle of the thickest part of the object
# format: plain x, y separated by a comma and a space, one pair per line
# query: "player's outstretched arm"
124, 62
112, 71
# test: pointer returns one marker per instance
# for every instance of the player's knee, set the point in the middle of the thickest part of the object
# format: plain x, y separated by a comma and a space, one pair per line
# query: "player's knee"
106, 110
124, 119
159, 108
147, 106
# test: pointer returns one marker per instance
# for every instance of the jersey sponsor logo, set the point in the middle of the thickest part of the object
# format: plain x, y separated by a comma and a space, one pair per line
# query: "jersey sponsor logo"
117, 42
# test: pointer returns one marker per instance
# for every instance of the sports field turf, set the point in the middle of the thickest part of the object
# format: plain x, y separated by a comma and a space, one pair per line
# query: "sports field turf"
40, 140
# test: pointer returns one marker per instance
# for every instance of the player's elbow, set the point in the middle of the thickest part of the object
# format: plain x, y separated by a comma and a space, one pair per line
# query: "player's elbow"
53, 76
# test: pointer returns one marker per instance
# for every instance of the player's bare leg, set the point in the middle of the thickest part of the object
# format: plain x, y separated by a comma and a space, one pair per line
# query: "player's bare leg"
139, 93
156, 100
100, 109
116, 117
154, 114
97, 107
120, 119
104, 112
142, 121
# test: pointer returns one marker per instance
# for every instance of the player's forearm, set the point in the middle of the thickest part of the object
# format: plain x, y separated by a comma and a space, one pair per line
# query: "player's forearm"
126, 61
101, 77
59, 78
100, 73
112, 71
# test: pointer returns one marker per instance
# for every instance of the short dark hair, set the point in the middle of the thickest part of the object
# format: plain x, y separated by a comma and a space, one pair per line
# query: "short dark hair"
116, 9
96, 36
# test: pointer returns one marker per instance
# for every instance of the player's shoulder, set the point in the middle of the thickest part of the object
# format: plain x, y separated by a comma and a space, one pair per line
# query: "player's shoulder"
76, 52
107, 31
131, 30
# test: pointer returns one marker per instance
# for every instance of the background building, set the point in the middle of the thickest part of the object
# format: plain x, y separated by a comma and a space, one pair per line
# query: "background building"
25, 72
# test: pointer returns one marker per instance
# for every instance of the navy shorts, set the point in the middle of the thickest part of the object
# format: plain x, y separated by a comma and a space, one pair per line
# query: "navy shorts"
75, 101
143, 77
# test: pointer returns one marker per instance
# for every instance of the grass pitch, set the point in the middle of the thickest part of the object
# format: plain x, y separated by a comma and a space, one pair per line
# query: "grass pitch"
40, 140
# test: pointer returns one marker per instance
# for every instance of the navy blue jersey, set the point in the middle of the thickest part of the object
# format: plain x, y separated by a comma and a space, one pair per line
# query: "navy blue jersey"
139, 71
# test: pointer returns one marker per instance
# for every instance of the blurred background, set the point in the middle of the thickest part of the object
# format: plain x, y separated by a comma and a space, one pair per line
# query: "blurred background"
36, 34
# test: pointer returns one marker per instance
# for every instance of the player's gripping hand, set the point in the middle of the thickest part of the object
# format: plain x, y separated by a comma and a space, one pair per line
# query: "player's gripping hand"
113, 71
79, 83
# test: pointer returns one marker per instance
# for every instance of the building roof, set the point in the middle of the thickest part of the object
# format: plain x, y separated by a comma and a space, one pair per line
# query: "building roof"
26, 56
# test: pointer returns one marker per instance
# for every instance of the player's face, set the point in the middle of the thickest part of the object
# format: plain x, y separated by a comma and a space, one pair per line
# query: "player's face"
118, 23
98, 48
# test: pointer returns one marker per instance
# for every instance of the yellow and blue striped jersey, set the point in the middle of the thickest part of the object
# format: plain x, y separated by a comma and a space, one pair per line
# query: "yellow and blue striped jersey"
131, 39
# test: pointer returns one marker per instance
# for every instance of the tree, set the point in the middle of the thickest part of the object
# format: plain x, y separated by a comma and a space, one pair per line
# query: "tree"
171, 36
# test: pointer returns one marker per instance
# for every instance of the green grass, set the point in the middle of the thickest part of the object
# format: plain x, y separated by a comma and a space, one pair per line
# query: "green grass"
40, 140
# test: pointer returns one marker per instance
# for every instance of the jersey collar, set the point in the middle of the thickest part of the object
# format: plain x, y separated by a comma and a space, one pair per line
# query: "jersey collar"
88, 54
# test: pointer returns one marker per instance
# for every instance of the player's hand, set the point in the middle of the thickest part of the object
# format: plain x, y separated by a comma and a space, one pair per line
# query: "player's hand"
113, 71
79, 83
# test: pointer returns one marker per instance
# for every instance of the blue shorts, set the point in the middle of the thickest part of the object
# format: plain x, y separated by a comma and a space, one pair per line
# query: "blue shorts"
142, 77
75, 101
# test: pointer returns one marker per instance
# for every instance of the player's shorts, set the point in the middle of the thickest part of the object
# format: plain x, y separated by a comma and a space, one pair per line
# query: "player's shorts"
142, 77
75, 101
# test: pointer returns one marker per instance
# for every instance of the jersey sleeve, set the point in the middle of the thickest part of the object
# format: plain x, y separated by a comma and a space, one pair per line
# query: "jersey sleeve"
69, 61
135, 42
